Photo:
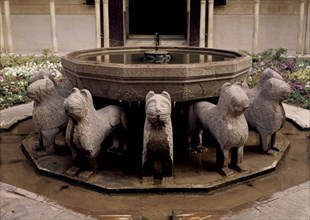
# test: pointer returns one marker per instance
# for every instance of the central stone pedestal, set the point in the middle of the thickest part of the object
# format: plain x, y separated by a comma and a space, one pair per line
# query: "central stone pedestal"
192, 173
156, 56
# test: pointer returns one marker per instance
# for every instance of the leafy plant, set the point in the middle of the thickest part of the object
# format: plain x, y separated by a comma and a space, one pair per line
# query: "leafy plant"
16, 71
295, 72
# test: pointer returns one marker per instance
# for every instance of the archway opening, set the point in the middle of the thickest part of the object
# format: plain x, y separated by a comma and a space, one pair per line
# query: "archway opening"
167, 17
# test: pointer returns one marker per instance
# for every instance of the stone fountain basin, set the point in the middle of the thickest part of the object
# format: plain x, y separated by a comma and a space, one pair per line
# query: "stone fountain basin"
131, 81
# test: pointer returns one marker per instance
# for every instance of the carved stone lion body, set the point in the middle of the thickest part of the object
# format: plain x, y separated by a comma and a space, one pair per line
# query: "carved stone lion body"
158, 138
225, 122
88, 128
266, 114
48, 112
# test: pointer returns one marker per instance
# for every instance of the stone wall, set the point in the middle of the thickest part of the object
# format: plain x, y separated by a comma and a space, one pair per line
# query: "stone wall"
233, 25
278, 25
31, 25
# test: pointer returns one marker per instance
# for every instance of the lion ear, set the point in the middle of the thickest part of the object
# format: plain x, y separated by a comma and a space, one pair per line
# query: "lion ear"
86, 94
166, 94
74, 90
149, 94
48, 82
238, 84
225, 86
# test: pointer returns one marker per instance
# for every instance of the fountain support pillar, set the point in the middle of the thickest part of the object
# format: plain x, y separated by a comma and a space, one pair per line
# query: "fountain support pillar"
8, 24
301, 25
98, 33
106, 29
202, 32
106, 39
53, 25
2, 47
255, 27
188, 17
307, 34
210, 23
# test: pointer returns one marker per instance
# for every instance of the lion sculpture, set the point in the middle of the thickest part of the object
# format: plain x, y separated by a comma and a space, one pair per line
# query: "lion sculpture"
88, 128
157, 155
63, 89
266, 113
267, 74
48, 113
225, 122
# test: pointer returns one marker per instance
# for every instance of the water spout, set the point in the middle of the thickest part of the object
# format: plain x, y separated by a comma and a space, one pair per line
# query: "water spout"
156, 41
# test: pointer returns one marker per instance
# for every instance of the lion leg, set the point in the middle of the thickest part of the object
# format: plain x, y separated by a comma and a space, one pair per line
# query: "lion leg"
200, 148
40, 146
167, 168
265, 143
77, 163
273, 142
237, 159
147, 169
222, 156
48, 139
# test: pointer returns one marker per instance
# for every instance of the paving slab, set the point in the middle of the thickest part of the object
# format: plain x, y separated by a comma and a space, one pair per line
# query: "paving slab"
16, 203
292, 203
300, 116
10, 116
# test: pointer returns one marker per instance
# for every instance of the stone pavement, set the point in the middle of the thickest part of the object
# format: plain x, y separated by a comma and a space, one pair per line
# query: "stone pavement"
11, 116
16, 203
300, 116
292, 203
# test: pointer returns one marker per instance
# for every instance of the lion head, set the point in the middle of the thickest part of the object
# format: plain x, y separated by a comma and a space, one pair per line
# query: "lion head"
78, 104
276, 89
158, 106
41, 89
234, 97
269, 74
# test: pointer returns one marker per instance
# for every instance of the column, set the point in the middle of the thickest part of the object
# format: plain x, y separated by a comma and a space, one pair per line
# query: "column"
188, 17
106, 41
210, 23
8, 24
307, 34
127, 18
53, 25
97, 15
202, 32
301, 25
2, 47
255, 27
124, 22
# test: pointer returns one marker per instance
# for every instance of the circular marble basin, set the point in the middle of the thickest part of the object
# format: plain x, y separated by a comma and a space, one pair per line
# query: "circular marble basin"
119, 73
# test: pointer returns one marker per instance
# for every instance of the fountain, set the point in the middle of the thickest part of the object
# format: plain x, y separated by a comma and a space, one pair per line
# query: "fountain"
157, 56
124, 76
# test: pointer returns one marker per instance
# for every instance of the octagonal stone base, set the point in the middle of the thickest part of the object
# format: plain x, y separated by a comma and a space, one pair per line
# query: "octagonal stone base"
191, 173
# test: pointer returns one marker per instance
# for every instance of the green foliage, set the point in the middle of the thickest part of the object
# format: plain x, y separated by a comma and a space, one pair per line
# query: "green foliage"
295, 72
15, 60
298, 99
269, 58
15, 72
